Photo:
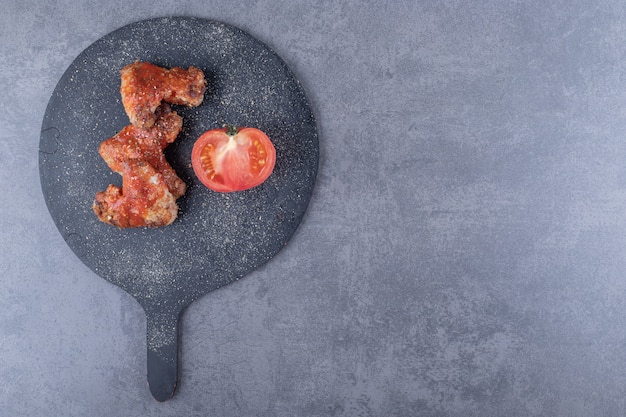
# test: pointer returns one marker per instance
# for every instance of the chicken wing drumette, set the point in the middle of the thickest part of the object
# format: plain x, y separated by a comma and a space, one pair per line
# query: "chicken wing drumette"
145, 86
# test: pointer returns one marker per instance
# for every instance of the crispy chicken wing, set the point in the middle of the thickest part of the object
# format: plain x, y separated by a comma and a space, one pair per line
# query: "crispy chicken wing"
133, 143
145, 86
143, 200
150, 185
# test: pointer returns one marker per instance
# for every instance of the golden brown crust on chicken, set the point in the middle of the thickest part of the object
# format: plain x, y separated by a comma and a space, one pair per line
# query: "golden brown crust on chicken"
145, 86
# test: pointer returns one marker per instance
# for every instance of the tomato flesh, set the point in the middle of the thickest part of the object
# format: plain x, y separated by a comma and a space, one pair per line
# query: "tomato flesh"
233, 159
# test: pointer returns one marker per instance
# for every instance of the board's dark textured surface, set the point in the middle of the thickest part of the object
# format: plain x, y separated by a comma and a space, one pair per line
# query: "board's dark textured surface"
218, 237
462, 255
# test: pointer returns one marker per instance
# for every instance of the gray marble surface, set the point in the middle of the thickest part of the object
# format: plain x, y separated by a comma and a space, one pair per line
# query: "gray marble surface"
463, 253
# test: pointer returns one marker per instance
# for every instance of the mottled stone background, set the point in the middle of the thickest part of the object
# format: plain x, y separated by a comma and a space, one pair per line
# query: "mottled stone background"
464, 249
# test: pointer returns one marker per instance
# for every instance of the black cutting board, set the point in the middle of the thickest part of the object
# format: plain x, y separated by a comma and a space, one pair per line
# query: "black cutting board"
218, 237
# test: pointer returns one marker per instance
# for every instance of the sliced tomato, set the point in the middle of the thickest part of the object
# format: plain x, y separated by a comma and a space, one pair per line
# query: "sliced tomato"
233, 159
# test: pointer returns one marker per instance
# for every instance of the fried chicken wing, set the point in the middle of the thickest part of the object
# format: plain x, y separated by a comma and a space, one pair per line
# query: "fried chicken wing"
143, 200
150, 186
145, 86
132, 143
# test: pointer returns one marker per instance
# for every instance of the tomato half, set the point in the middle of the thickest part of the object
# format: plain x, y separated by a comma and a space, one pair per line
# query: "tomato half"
233, 159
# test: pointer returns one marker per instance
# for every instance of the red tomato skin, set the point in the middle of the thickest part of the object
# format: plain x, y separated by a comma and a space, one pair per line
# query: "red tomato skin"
232, 159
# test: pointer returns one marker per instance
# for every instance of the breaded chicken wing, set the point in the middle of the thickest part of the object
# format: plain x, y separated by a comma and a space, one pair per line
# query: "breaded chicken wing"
150, 185
143, 200
145, 86
133, 143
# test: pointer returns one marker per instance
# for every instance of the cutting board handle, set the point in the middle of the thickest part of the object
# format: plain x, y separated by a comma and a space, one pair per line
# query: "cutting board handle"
162, 338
